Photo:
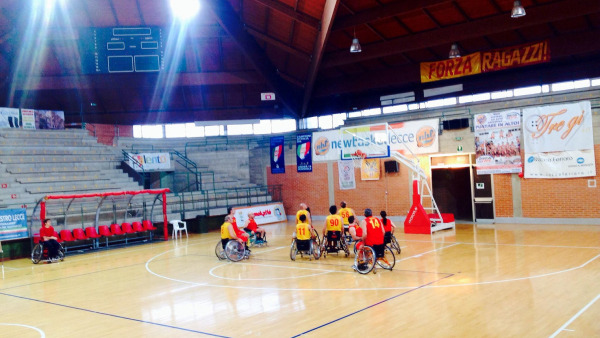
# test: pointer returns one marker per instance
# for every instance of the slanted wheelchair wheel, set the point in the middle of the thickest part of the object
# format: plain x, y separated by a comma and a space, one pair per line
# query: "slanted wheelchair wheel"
293, 250
345, 248
235, 251
395, 245
317, 238
61, 253
364, 262
388, 254
37, 253
316, 249
219, 252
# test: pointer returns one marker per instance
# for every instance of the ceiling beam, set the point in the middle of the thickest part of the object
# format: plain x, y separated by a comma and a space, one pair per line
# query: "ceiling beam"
554, 11
276, 43
329, 11
135, 80
382, 12
560, 47
290, 12
230, 21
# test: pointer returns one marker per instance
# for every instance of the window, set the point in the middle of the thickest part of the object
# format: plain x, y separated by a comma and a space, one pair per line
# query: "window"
262, 128
312, 122
441, 102
214, 130
371, 112
503, 94
338, 119
282, 126
326, 122
174, 130
395, 109
191, 130
137, 131
354, 114
528, 90
152, 131
239, 129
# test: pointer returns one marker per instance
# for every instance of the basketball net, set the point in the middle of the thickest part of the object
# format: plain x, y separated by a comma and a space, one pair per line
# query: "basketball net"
357, 158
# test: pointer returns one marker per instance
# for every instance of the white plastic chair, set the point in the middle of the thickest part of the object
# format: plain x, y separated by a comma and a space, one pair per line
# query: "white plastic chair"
178, 227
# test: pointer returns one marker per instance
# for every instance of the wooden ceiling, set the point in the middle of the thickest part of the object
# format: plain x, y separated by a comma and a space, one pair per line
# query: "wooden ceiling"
299, 49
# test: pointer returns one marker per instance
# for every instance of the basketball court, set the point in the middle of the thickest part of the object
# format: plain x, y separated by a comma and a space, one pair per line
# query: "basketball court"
515, 280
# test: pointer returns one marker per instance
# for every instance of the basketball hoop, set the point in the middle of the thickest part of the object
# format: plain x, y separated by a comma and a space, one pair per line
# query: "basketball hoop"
357, 158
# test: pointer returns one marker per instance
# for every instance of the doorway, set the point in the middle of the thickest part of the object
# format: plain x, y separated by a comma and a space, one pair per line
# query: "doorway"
452, 191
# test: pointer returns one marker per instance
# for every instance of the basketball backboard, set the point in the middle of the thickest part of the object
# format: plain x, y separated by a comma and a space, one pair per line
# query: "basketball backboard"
366, 141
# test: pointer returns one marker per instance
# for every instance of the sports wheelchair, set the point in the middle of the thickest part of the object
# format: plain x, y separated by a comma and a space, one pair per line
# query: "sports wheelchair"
333, 243
253, 240
233, 251
392, 242
365, 259
308, 247
40, 252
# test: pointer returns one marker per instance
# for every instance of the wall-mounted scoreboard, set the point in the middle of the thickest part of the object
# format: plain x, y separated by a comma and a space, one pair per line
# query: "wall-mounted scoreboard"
122, 50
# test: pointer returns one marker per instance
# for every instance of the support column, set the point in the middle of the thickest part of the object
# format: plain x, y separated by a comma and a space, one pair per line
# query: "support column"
330, 183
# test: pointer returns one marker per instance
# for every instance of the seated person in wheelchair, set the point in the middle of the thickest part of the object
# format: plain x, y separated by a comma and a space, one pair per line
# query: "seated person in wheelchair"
303, 234
333, 226
388, 226
253, 228
373, 234
355, 231
228, 233
49, 240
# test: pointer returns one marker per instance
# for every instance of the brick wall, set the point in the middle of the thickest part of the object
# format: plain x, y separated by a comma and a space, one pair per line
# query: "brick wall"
106, 133
503, 195
562, 198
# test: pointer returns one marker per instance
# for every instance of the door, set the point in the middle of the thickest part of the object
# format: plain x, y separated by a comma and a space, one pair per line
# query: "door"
483, 197
452, 191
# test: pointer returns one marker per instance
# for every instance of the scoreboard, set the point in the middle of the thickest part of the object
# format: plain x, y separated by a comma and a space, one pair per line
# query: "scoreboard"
122, 50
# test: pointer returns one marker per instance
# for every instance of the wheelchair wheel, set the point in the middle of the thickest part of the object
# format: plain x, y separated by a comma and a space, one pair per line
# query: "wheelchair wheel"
323, 248
388, 255
316, 250
37, 253
293, 250
345, 247
317, 238
219, 252
364, 262
61, 253
235, 251
395, 245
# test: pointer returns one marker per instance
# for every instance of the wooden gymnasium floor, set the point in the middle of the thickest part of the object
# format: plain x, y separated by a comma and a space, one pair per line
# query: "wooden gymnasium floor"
498, 281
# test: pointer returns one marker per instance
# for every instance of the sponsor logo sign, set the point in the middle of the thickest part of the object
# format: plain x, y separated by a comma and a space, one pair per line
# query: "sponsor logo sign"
13, 224
497, 142
303, 153
263, 214
151, 161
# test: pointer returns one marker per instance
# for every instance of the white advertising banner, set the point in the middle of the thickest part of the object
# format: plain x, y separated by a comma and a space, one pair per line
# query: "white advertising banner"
560, 127
346, 175
559, 141
263, 214
28, 118
497, 144
9, 118
151, 161
421, 137
560, 164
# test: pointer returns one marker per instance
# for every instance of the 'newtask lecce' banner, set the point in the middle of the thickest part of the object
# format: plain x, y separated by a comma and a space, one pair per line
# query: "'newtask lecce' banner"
13, 224
421, 137
559, 141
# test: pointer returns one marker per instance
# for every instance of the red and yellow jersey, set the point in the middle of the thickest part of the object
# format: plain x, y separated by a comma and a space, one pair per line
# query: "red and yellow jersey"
374, 233
303, 231
334, 223
225, 231
345, 213
302, 212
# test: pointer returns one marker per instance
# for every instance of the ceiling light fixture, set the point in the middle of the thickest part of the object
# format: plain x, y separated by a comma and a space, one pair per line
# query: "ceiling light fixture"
355, 46
185, 9
454, 52
518, 10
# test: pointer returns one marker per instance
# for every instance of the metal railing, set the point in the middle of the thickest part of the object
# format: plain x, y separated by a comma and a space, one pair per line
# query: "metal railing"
128, 159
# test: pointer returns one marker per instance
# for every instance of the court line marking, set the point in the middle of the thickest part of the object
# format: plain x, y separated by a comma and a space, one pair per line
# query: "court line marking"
563, 328
504, 244
373, 305
322, 272
261, 252
112, 315
42, 334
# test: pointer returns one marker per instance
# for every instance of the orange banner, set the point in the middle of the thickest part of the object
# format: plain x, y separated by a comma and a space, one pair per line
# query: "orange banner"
451, 68
517, 56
